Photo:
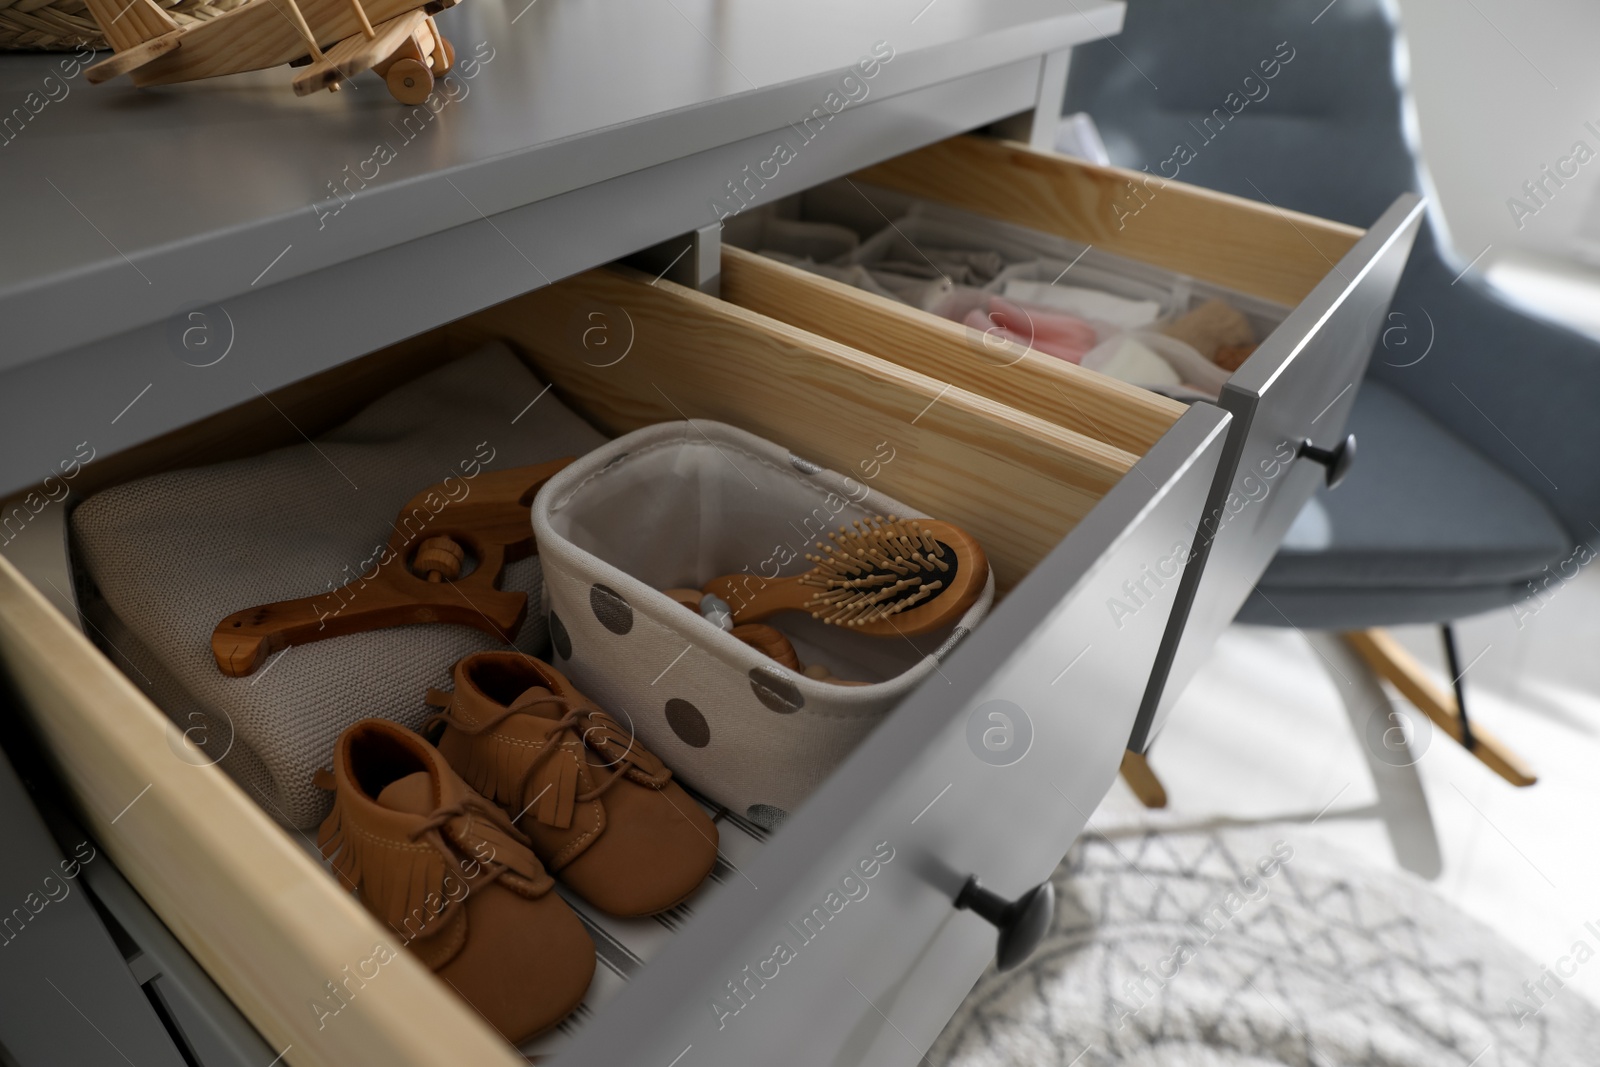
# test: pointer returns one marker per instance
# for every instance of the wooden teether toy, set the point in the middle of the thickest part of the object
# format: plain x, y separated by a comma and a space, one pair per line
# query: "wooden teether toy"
442, 564
883, 577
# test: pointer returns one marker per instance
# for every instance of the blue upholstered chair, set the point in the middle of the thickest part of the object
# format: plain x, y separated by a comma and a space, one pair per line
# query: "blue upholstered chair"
1478, 469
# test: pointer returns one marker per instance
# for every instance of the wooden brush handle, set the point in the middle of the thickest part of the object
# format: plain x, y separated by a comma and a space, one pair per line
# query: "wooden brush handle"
764, 639
754, 599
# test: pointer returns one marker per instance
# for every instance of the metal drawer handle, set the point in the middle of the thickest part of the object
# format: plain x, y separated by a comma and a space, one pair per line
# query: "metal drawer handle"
1337, 459
1022, 922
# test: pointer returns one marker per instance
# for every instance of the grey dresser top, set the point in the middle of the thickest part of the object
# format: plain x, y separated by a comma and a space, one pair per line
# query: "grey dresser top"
121, 207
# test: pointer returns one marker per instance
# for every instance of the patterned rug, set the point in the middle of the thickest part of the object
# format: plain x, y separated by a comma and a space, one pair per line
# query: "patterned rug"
1260, 948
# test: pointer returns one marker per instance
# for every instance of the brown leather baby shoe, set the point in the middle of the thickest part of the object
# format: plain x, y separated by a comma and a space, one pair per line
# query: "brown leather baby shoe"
602, 813
448, 873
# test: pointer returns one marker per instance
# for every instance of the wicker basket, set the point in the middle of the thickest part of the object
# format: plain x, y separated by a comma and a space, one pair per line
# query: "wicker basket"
67, 26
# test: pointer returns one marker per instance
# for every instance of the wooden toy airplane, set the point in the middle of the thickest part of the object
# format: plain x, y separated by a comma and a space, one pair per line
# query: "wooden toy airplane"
337, 38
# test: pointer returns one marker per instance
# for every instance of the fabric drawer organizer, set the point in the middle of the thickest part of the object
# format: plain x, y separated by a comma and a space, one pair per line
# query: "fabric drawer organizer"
955, 265
675, 505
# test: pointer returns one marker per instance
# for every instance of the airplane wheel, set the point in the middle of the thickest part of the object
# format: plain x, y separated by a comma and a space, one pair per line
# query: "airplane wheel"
444, 57
407, 48
409, 80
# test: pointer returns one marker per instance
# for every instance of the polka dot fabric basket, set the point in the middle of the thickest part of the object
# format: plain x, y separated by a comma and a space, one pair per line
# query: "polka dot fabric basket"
673, 506
67, 26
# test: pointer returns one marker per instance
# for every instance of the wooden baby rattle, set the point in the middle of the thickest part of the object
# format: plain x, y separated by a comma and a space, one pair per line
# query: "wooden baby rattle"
421, 575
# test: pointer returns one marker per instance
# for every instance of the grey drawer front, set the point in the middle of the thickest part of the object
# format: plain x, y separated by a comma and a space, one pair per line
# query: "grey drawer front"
871, 968
1300, 384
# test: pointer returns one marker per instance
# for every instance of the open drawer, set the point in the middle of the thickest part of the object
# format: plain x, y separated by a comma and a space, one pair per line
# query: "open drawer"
1295, 390
989, 770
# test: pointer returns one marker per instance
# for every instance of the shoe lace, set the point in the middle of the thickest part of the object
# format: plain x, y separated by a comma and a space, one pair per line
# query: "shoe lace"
568, 723
461, 832
439, 819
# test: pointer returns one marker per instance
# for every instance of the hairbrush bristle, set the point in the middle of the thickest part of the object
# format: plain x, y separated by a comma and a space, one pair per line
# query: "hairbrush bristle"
874, 569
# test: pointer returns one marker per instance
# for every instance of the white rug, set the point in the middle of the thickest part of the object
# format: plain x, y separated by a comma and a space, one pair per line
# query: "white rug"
1235, 948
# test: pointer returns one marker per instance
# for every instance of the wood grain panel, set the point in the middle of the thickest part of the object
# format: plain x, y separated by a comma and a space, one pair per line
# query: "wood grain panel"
268, 925
262, 34
127, 23
1255, 248
1014, 481
1101, 408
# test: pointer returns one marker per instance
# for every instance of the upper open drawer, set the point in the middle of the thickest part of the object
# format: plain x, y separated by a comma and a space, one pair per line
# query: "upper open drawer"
1330, 283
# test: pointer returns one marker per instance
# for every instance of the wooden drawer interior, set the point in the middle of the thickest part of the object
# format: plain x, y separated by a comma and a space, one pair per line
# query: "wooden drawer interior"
1016, 481
1254, 248
1093, 405
246, 899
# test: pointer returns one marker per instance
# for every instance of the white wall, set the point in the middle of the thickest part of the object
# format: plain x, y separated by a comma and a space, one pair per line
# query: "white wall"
1503, 88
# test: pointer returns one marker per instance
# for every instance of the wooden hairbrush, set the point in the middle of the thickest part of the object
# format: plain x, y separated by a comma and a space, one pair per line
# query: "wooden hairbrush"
883, 577
419, 576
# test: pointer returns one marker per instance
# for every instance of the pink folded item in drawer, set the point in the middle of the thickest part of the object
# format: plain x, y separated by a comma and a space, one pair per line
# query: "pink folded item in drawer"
1050, 332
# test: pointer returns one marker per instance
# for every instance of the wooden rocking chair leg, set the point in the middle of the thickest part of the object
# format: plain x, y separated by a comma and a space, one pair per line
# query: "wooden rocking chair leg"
1142, 780
1389, 660
1391, 761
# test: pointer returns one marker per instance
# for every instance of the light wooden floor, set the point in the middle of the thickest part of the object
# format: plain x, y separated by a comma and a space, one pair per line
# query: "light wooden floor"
1262, 735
